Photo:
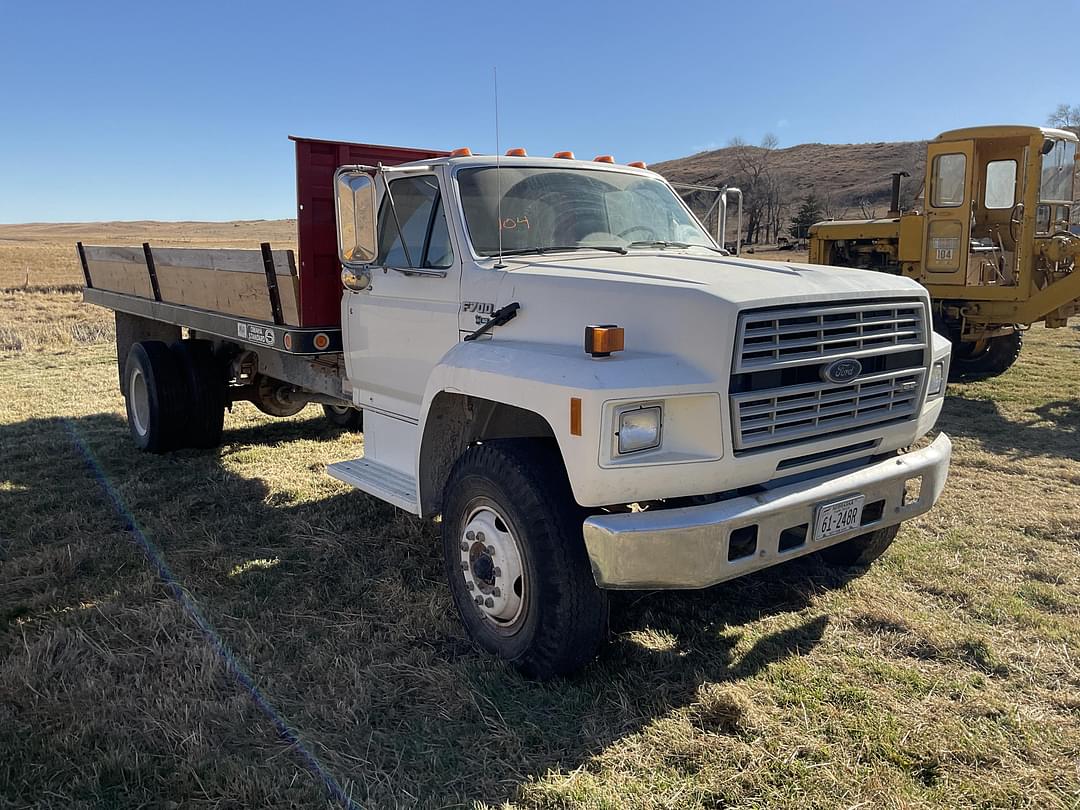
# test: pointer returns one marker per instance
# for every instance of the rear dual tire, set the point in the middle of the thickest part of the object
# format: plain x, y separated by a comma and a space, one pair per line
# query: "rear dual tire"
175, 396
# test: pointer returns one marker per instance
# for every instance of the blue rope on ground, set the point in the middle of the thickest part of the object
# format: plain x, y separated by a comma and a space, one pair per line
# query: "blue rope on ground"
244, 678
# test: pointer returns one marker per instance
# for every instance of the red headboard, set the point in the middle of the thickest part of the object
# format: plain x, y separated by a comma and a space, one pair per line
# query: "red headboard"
320, 270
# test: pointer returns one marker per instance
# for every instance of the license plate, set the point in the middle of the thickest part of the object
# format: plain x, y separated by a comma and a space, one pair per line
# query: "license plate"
836, 518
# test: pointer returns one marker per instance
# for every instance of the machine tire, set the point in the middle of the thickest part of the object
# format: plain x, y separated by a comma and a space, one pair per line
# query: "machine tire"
561, 615
156, 396
206, 389
344, 417
995, 358
859, 552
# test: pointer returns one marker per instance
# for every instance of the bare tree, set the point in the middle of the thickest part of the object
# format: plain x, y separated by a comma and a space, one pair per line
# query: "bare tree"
757, 184
1065, 117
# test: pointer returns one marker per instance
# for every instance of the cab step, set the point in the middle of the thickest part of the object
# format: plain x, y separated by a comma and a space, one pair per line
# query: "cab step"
379, 480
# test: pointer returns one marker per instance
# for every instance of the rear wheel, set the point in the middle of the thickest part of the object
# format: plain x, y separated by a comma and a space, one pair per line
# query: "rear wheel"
862, 550
206, 385
516, 562
973, 360
345, 417
156, 396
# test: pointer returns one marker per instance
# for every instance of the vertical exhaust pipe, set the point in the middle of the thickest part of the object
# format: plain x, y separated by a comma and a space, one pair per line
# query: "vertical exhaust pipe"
894, 203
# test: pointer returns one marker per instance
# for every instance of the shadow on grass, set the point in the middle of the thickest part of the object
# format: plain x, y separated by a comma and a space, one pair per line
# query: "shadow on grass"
1056, 434
336, 607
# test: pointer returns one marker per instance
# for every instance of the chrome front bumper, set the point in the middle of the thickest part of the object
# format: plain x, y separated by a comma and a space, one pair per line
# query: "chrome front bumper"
688, 547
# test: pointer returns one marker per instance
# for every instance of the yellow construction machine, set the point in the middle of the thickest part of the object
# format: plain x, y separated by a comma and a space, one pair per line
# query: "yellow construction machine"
995, 241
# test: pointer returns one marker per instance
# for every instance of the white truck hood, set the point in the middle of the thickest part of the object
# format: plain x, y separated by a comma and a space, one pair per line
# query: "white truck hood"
738, 280
682, 304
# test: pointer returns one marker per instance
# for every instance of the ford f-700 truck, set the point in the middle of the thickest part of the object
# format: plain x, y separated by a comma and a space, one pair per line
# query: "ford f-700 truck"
556, 358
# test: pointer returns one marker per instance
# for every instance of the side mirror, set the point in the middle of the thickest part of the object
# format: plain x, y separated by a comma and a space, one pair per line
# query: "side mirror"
354, 202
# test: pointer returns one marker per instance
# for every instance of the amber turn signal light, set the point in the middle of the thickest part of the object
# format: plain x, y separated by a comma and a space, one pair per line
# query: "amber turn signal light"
564, 155
516, 152
461, 151
603, 339
603, 159
638, 164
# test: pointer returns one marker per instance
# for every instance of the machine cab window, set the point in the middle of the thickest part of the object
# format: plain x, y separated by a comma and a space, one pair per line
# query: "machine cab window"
947, 181
1000, 184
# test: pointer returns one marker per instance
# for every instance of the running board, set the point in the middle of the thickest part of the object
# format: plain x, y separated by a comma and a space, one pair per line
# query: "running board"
379, 480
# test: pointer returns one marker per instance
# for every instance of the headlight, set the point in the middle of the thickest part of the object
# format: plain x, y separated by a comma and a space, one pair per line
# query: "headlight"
639, 428
937, 379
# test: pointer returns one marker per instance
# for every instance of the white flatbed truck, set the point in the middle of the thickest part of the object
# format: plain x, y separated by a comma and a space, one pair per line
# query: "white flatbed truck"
555, 357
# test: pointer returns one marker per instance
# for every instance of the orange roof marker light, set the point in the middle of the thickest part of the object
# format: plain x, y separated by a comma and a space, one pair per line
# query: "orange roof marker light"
516, 152
564, 155
603, 159
461, 151
638, 164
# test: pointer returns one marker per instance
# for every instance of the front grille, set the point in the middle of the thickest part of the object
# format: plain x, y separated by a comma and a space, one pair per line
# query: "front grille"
778, 395
805, 335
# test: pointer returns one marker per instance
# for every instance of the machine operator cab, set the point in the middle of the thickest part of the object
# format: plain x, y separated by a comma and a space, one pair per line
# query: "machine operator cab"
992, 194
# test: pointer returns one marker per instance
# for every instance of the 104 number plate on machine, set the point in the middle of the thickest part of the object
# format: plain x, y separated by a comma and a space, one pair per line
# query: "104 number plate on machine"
838, 517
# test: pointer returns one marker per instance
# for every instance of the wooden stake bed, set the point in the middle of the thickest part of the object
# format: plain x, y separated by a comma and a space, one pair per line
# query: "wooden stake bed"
246, 296
229, 281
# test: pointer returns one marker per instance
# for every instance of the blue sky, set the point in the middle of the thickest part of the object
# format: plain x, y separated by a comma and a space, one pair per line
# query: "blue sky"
151, 110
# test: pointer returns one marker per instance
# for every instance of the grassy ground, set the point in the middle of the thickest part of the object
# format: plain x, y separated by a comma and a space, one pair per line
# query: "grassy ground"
235, 629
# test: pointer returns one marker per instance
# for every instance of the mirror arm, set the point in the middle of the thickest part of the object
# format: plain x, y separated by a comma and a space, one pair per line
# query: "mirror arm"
393, 210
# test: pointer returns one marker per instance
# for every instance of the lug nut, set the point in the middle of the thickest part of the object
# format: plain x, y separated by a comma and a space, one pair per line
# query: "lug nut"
480, 537
464, 546
464, 566
480, 600
490, 602
496, 592
470, 585
470, 536
497, 572
491, 549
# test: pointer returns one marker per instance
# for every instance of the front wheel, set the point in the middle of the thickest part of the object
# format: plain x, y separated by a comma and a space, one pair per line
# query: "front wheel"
860, 551
516, 562
989, 357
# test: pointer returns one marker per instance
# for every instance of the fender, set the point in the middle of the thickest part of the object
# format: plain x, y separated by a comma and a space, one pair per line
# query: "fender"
543, 377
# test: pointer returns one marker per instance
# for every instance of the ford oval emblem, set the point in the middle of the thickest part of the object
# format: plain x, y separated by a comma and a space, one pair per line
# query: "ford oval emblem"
841, 371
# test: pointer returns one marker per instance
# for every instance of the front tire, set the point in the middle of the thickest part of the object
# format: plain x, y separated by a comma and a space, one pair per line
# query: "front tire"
859, 552
515, 559
989, 358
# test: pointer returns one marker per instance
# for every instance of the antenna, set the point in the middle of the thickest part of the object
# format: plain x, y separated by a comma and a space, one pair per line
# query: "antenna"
498, 176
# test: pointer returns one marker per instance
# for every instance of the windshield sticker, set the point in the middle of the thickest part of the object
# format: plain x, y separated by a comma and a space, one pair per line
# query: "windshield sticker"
509, 223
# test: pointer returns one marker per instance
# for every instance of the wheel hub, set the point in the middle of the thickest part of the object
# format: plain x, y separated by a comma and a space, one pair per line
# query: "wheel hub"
492, 566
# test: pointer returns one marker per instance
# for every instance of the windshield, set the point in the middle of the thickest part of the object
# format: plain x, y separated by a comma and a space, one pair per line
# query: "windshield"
545, 208
1058, 168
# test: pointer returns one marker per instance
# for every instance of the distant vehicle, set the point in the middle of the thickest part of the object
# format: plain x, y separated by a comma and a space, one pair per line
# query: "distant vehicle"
555, 357
995, 245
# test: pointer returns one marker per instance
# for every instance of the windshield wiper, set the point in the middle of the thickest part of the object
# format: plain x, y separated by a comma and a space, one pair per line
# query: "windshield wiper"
562, 249
662, 244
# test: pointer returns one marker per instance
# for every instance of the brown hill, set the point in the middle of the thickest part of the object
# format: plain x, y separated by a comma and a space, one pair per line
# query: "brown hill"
843, 176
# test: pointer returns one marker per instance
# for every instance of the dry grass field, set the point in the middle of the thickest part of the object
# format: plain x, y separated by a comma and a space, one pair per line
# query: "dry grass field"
235, 629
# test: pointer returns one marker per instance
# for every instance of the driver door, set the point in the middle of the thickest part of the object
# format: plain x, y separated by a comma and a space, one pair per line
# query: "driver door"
399, 328
949, 209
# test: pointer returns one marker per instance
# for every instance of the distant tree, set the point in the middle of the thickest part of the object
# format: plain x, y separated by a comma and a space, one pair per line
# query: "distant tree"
809, 212
754, 177
1065, 117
